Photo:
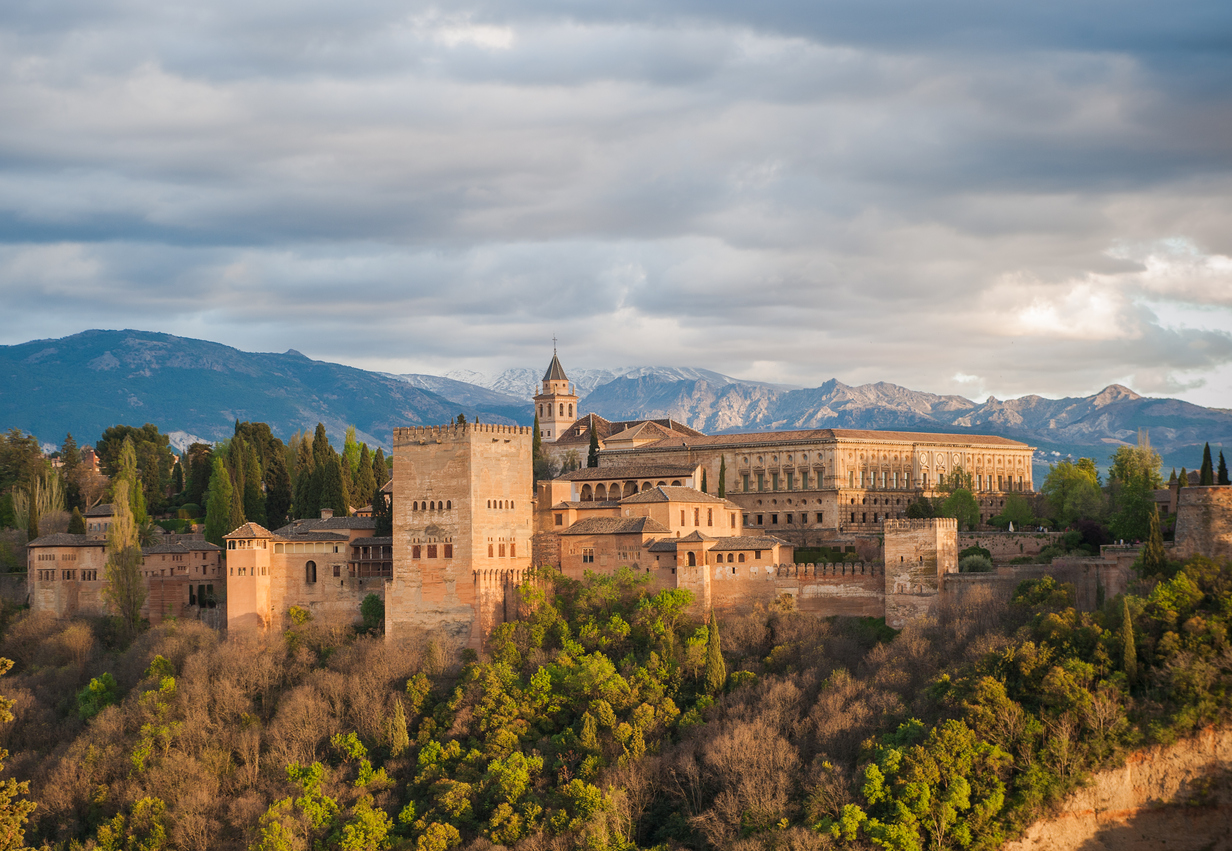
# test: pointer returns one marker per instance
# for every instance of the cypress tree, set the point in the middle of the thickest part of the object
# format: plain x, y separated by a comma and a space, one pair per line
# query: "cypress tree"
1206, 476
380, 468
218, 503
1183, 480
332, 483
365, 482
1223, 470
592, 457
716, 670
76, 523
177, 477
32, 530
1154, 561
320, 446
536, 439
704, 488
722, 476
383, 514
1172, 478
70, 465
277, 489
236, 518
307, 497
254, 496
1129, 658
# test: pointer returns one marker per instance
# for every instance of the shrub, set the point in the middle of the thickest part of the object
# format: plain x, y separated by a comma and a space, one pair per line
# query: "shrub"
975, 550
372, 610
103, 691
975, 563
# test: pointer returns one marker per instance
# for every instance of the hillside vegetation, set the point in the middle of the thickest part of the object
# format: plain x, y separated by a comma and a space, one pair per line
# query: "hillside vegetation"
607, 718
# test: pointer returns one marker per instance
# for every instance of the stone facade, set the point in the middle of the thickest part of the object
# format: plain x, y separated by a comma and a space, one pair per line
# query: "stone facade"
67, 574
918, 553
463, 524
1204, 521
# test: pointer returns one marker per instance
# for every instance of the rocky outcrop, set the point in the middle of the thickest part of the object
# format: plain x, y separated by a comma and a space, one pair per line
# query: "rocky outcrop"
1175, 797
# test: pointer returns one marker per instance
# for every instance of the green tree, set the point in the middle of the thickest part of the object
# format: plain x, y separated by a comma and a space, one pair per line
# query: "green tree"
254, 493
716, 669
962, 506
399, 738
1017, 510
277, 489
199, 464
383, 514
177, 478
77, 523
70, 470
380, 468
333, 486
705, 489
1132, 478
1072, 491
350, 452
1153, 558
956, 479
153, 460
1129, 651
124, 587
218, 504
125, 470
722, 477
921, 509
307, 488
14, 809
592, 455
365, 483
372, 611
1206, 475
1183, 480
1223, 470
542, 467
32, 528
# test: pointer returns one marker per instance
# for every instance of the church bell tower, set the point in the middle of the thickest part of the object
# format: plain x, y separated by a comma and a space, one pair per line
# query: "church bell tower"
556, 406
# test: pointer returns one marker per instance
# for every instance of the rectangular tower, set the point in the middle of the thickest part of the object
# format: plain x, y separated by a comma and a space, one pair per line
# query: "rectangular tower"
917, 554
462, 529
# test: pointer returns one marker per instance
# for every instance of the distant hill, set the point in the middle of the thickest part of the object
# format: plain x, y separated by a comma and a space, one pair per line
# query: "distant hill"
89, 381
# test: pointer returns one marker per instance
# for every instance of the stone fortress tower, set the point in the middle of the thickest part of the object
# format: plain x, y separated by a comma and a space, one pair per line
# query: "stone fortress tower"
918, 553
462, 529
556, 406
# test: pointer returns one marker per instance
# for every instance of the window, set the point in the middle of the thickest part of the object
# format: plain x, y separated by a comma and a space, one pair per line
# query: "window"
851, 478
588, 555
513, 550
570, 410
731, 520
761, 481
490, 551
745, 479
696, 516
709, 516
774, 520
818, 516
739, 558
560, 520
788, 518
682, 517
449, 551
757, 554
502, 550
310, 572
863, 516
337, 570
791, 486
759, 520
774, 481
692, 559
431, 550
416, 551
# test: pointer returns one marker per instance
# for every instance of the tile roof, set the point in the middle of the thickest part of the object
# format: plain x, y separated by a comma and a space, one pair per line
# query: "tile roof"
628, 471
663, 545
250, 530
555, 372
589, 505
180, 547
578, 434
373, 542
314, 536
694, 537
667, 493
64, 539
830, 435
750, 542
308, 526
615, 526
102, 510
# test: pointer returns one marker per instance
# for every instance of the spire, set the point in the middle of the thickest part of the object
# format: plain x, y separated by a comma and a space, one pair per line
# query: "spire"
555, 372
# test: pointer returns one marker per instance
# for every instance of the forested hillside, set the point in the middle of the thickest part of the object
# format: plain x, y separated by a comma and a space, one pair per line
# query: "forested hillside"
607, 718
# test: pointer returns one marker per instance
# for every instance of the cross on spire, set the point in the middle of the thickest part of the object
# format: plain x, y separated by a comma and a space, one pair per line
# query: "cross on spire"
553, 345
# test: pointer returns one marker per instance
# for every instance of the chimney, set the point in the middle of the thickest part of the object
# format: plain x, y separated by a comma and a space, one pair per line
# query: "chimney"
327, 513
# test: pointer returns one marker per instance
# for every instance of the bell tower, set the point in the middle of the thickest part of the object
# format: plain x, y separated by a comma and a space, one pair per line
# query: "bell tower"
556, 406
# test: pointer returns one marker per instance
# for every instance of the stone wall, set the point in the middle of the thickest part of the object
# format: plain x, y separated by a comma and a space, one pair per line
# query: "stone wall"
1204, 522
1007, 545
917, 554
851, 589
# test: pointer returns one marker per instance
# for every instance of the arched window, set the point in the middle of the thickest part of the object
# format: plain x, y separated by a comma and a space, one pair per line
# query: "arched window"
489, 551
562, 409
310, 572
709, 516
588, 493
432, 505
740, 557
415, 505
502, 550
513, 550
449, 505
692, 559
571, 410
696, 516
730, 556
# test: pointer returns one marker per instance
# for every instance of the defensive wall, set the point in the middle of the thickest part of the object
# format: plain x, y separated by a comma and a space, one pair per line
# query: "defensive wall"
853, 589
1204, 522
1008, 545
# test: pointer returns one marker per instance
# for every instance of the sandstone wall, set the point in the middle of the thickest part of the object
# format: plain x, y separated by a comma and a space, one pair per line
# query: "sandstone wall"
917, 554
1007, 545
1204, 522
1171, 798
855, 590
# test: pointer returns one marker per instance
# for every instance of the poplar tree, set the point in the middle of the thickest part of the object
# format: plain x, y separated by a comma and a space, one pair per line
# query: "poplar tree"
32, 529
722, 476
1223, 470
350, 451
218, 503
1206, 476
126, 471
124, 588
716, 670
1129, 657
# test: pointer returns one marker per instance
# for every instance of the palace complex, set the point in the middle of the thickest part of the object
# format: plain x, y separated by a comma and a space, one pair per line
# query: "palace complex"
719, 515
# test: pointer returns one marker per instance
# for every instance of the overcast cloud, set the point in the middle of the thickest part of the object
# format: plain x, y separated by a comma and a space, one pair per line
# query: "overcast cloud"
963, 197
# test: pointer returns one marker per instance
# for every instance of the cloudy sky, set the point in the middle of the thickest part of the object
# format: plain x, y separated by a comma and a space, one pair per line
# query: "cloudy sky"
957, 196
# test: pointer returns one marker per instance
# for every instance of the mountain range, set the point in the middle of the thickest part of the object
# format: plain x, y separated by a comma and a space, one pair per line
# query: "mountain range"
89, 381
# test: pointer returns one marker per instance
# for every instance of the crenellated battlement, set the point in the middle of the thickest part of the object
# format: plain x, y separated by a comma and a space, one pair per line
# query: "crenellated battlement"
455, 431
920, 524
